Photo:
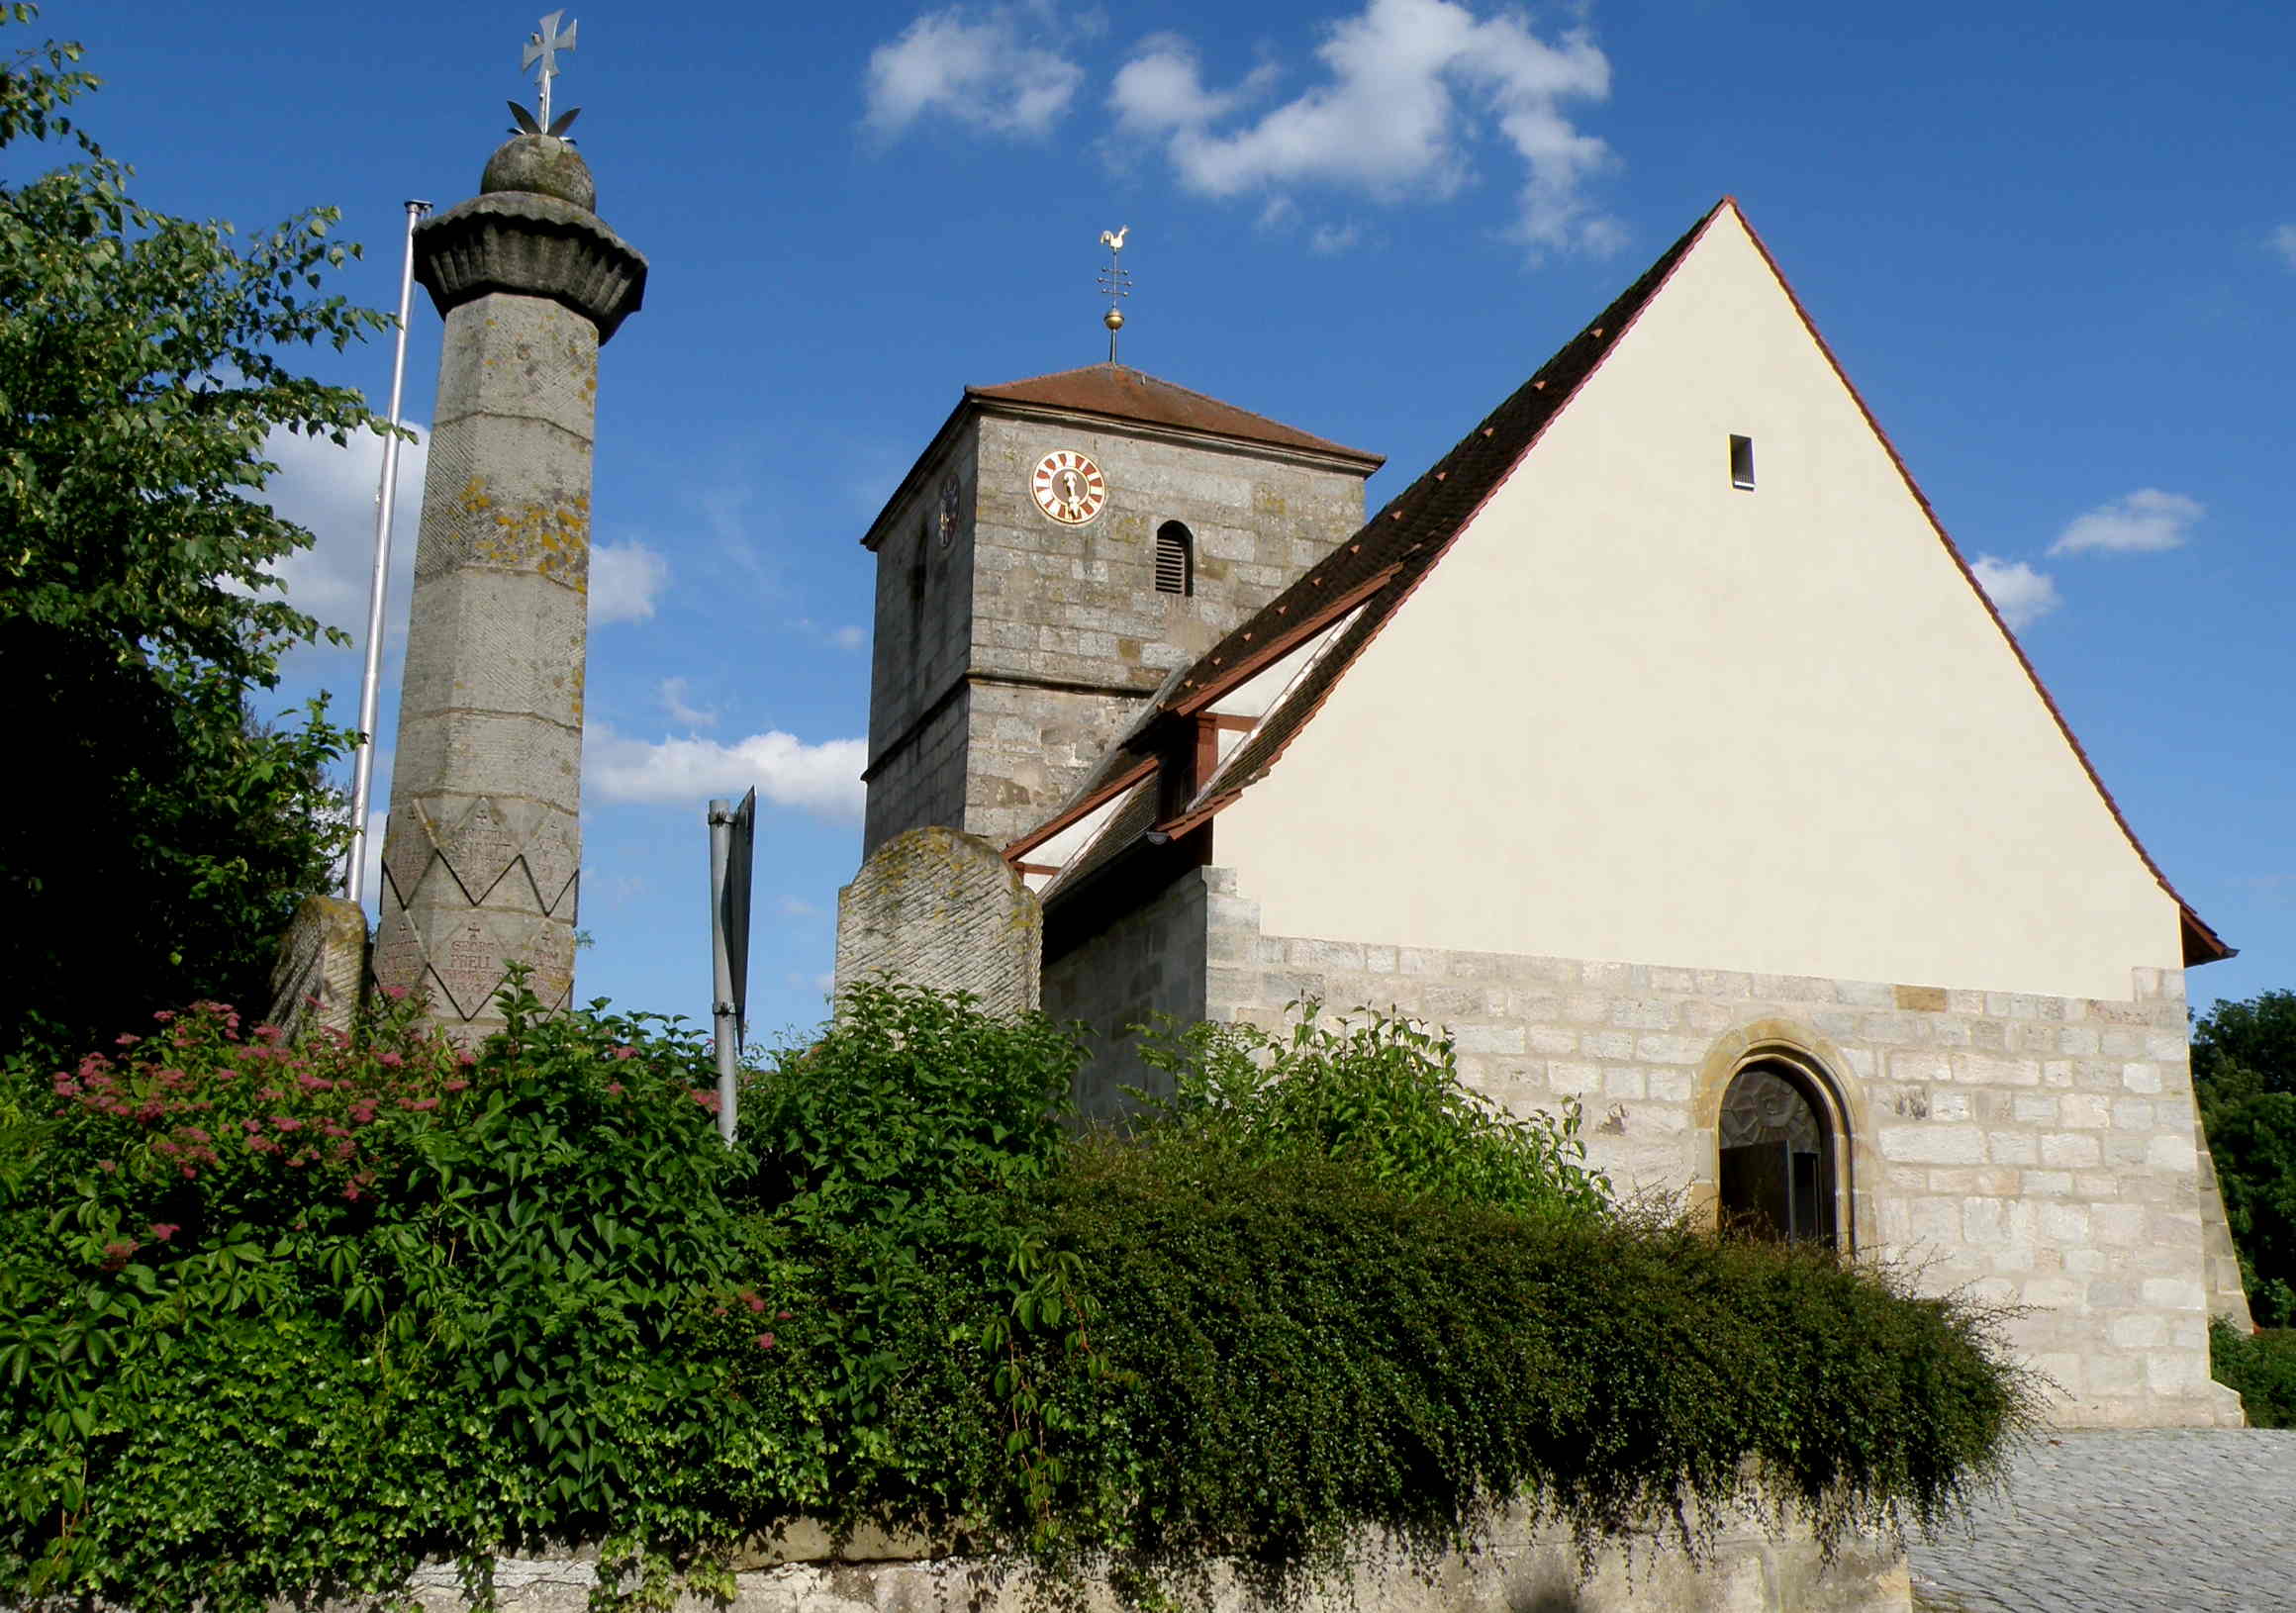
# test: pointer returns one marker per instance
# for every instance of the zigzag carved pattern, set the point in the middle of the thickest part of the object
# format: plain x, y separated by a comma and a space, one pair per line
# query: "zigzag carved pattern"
494, 861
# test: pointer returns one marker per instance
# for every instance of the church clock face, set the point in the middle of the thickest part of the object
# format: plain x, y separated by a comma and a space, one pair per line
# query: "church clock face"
1069, 487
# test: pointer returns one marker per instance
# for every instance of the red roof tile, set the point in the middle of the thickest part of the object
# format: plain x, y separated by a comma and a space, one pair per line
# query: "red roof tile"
1121, 393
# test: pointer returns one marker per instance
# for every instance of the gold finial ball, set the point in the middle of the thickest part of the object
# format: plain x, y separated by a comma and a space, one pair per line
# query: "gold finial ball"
1113, 319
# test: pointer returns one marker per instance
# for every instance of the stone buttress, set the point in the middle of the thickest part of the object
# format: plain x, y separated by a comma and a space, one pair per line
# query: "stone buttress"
481, 857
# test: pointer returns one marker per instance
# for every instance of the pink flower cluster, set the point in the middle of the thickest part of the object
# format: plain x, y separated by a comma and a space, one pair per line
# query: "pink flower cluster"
196, 1100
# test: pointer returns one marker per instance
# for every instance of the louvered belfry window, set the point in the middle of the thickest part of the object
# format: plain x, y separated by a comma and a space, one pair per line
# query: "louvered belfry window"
1175, 559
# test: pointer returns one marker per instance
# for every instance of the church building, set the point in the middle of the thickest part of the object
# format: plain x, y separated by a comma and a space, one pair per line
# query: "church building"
1656, 740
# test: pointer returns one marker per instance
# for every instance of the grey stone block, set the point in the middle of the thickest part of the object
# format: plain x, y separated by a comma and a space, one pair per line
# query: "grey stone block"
941, 909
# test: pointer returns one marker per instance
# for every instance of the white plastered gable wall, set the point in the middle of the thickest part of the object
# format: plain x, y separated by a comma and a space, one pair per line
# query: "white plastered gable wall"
1639, 713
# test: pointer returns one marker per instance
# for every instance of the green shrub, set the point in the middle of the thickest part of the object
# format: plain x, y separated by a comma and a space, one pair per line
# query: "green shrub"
1379, 1093
1331, 1354
2261, 1367
278, 1322
2253, 1140
2244, 1073
276, 1316
886, 1156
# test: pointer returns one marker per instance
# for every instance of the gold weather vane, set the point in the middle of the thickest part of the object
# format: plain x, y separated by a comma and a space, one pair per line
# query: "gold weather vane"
1115, 284
542, 47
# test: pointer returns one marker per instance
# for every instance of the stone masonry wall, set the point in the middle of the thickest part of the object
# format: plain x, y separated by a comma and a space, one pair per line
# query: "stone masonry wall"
1068, 631
1518, 1567
943, 908
1025, 750
924, 780
1039, 641
2038, 1150
1150, 962
919, 647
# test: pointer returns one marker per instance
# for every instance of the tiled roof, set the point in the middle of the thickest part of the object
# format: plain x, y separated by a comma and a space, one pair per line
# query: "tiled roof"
1122, 393
1380, 566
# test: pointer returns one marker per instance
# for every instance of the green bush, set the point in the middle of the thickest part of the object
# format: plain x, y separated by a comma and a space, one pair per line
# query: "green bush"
280, 1316
281, 1321
2261, 1367
1329, 1353
2253, 1140
2244, 1072
1380, 1093
886, 1157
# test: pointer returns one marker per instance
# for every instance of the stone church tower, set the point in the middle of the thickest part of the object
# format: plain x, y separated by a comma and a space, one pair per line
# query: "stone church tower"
1063, 546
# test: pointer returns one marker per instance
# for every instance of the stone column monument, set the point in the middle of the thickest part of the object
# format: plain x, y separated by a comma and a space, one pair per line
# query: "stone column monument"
481, 857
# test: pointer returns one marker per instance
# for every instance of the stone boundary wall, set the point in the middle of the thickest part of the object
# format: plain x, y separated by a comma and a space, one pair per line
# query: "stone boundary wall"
1520, 1569
2035, 1150
943, 908
321, 974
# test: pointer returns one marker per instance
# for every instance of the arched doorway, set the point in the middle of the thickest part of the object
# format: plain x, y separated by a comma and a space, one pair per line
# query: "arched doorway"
1778, 1174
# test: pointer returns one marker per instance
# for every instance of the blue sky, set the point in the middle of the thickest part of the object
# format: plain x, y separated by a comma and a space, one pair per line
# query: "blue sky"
2053, 246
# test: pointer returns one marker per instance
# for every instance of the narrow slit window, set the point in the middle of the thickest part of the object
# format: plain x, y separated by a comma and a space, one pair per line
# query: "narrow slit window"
1175, 559
1742, 462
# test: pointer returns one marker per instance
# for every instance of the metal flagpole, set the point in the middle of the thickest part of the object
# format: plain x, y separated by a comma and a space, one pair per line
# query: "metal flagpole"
354, 879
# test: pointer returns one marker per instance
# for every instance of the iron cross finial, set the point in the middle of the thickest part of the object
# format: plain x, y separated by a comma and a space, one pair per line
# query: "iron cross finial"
542, 47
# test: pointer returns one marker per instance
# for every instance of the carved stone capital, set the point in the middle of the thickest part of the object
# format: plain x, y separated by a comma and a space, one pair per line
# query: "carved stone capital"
534, 245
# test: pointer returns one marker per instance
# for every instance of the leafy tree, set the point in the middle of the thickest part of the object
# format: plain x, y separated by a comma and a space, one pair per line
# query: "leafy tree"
2243, 1072
161, 830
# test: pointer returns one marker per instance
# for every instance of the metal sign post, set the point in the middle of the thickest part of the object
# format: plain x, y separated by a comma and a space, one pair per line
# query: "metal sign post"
733, 847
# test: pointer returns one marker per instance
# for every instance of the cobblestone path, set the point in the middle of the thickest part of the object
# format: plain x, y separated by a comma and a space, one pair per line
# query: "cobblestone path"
2152, 1521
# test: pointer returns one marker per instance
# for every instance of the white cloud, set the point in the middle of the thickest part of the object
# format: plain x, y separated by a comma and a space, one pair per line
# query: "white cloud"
1389, 120
2022, 595
623, 580
2284, 242
1162, 88
2145, 522
331, 491
822, 779
672, 692
978, 66
844, 638
797, 907
1331, 239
